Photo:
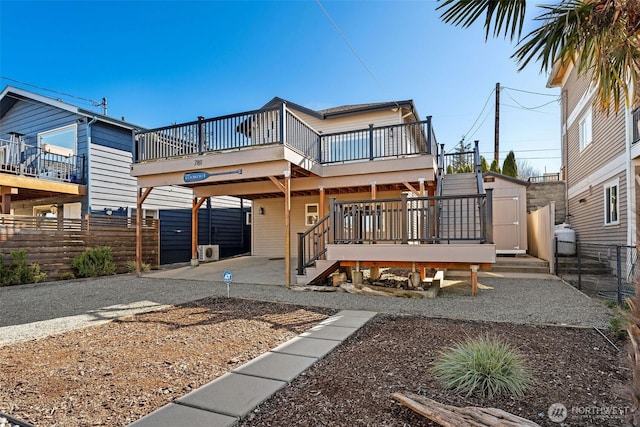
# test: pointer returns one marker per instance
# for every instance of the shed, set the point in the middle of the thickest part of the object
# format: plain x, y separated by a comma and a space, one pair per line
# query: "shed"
509, 212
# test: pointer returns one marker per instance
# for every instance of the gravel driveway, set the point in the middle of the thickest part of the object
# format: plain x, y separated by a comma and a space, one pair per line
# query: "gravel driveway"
31, 311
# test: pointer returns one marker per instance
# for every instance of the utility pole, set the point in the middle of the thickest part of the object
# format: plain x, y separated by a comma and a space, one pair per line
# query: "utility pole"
496, 140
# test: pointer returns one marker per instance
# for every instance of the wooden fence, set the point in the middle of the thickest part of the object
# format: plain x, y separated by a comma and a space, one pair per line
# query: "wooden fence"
53, 243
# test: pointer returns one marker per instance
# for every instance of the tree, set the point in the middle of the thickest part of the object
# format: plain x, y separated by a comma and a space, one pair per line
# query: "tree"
510, 167
484, 166
600, 36
460, 162
525, 170
494, 166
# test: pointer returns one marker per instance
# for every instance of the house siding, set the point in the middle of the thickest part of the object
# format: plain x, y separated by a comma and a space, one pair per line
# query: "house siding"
111, 136
587, 217
269, 229
608, 141
575, 88
32, 117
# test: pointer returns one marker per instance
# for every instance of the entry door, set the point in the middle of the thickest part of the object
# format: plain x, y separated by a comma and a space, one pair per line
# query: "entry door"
506, 224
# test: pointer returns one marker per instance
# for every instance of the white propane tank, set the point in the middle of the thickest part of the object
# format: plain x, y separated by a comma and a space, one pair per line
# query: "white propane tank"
566, 237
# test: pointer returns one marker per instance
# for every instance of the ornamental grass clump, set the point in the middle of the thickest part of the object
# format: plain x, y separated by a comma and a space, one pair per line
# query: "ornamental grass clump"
485, 365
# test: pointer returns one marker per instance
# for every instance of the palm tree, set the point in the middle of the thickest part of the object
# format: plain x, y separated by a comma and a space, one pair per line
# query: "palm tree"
600, 36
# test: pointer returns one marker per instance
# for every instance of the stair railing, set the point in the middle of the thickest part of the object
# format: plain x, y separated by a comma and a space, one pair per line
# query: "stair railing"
477, 167
312, 244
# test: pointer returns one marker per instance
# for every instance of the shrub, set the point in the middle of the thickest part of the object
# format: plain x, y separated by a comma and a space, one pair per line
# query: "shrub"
67, 275
132, 267
94, 262
20, 271
486, 365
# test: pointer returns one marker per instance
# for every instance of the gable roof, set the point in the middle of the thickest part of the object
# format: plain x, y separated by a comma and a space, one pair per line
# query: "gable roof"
344, 110
10, 95
505, 177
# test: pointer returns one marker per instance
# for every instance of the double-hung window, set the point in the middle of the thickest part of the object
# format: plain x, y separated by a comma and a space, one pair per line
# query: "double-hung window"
586, 129
611, 204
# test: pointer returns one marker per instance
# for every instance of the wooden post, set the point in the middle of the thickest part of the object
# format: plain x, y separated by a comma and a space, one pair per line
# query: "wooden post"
194, 228
287, 227
140, 200
474, 280
5, 196
321, 204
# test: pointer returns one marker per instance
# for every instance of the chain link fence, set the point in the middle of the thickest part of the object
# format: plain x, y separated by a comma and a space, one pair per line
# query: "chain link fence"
607, 271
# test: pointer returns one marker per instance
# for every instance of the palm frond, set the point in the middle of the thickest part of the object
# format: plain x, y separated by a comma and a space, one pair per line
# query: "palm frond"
503, 16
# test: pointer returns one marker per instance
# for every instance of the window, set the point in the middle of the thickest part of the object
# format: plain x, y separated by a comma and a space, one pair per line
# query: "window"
147, 214
247, 218
611, 203
64, 139
585, 125
311, 214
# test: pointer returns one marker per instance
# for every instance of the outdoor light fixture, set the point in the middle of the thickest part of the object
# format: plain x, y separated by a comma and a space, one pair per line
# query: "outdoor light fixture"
261, 210
582, 201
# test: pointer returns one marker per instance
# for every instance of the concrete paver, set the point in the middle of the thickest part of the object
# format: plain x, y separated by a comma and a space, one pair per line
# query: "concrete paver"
179, 415
326, 332
277, 366
232, 394
309, 347
345, 321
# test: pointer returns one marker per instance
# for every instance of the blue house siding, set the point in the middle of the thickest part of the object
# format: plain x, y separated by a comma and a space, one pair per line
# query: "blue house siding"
31, 118
111, 136
218, 226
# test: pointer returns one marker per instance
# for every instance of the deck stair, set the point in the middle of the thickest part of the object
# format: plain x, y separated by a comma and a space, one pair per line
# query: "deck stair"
459, 215
320, 270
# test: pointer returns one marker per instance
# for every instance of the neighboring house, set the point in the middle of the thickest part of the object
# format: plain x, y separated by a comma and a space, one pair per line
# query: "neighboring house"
57, 159
600, 162
343, 186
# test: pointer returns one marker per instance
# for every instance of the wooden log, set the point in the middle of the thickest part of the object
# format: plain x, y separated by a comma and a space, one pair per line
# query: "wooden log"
453, 416
380, 291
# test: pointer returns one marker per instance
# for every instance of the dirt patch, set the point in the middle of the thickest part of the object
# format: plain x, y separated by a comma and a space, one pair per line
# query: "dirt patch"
353, 384
116, 373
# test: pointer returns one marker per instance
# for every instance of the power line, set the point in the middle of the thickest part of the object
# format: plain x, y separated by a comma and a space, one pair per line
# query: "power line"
479, 115
351, 48
93, 103
532, 108
533, 93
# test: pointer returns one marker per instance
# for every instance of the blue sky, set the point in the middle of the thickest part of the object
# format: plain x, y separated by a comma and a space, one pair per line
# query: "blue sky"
161, 62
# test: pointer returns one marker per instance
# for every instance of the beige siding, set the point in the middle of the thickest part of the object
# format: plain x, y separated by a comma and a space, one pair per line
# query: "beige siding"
608, 142
575, 88
353, 122
268, 229
588, 217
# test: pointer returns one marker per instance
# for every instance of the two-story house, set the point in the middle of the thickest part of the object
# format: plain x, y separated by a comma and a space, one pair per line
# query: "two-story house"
57, 159
600, 162
354, 185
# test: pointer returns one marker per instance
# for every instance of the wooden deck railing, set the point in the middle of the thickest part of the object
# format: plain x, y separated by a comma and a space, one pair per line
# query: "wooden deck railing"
407, 220
18, 158
263, 127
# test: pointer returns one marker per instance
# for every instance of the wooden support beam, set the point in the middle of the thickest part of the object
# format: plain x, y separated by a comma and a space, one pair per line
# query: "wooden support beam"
278, 183
411, 188
141, 197
373, 190
474, 280
5, 199
287, 227
197, 203
409, 264
321, 204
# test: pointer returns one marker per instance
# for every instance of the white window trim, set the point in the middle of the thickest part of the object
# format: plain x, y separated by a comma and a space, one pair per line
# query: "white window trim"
73, 126
607, 186
586, 121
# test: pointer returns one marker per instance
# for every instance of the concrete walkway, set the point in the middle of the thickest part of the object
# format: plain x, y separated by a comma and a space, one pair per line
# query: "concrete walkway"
231, 397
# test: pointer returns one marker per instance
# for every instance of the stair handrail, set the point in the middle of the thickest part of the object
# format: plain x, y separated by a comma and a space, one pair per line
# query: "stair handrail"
477, 167
441, 171
312, 244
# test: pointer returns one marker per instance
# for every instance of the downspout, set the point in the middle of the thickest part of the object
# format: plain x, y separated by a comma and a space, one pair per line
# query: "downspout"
631, 223
565, 154
88, 165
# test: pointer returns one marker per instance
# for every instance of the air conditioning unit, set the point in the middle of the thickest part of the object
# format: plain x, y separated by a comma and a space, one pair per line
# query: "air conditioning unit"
208, 252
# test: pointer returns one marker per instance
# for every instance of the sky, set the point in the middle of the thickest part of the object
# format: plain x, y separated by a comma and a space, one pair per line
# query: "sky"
165, 62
